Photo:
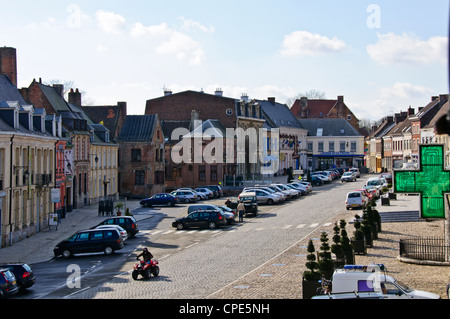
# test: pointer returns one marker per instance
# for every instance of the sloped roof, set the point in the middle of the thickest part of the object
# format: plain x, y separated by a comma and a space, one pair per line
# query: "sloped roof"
316, 107
442, 111
278, 115
138, 128
54, 98
212, 128
330, 127
9, 92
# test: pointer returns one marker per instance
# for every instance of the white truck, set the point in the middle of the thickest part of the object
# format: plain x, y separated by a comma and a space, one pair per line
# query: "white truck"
373, 278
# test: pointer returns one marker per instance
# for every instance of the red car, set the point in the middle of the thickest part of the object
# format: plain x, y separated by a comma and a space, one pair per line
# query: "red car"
368, 194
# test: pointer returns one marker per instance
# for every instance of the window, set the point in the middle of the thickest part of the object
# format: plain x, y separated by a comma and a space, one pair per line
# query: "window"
214, 173
349, 117
320, 146
310, 147
97, 235
135, 155
201, 173
353, 147
83, 237
159, 177
342, 147
330, 146
139, 178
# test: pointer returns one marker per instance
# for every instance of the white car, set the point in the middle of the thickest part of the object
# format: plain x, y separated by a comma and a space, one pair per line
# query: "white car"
348, 177
123, 233
325, 179
293, 192
356, 199
280, 196
207, 193
356, 171
307, 185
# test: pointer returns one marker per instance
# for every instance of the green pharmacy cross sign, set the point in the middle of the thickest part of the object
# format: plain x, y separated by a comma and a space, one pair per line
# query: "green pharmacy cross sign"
431, 181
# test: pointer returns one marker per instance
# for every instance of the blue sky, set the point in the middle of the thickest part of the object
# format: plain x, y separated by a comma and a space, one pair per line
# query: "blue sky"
383, 56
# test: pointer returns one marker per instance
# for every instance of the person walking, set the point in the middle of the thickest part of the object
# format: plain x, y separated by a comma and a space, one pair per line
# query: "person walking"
241, 210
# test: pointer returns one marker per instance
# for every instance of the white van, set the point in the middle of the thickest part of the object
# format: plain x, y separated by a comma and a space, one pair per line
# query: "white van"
356, 199
373, 278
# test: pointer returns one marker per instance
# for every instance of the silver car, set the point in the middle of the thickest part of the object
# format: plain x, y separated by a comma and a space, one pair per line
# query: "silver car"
264, 197
184, 196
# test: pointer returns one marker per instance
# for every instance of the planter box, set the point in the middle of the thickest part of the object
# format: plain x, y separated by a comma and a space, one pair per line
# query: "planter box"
310, 288
359, 247
385, 201
392, 196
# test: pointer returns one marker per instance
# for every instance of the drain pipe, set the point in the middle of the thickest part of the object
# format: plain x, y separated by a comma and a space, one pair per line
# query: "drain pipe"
11, 170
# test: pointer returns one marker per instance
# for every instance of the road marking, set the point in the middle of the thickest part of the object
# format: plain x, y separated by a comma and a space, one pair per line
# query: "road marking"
287, 226
168, 232
327, 224
157, 232
301, 226
314, 225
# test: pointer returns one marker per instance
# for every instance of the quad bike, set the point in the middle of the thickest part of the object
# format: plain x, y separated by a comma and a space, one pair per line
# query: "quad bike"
145, 269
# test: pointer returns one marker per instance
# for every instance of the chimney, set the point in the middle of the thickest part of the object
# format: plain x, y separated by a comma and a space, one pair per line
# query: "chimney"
244, 97
410, 111
340, 99
167, 92
59, 88
443, 98
303, 107
219, 92
8, 64
271, 100
75, 97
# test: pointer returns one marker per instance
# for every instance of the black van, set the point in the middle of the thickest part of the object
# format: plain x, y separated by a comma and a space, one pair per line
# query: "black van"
126, 222
90, 241
211, 219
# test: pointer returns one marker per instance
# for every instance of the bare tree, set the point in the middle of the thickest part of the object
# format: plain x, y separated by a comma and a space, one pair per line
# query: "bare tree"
311, 94
71, 85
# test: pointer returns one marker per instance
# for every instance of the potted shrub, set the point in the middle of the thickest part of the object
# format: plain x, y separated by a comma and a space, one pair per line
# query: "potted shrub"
336, 248
326, 264
127, 212
347, 248
367, 230
311, 277
358, 242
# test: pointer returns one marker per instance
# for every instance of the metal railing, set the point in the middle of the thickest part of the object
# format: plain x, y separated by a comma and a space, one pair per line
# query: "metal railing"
425, 248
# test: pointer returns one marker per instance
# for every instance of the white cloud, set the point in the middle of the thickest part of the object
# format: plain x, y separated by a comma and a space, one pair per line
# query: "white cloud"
139, 30
110, 22
310, 44
189, 25
407, 48
405, 90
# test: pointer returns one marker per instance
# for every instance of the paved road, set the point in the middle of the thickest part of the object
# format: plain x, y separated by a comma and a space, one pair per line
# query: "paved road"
196, 263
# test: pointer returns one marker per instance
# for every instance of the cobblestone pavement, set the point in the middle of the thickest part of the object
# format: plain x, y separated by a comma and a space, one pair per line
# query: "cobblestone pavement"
280, 277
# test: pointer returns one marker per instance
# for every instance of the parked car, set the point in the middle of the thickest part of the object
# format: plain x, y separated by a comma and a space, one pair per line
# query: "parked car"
356, 199
211, 219
185, 196
218, 192
356, 171
348, 177
316, 181
8, 283
230, 217
24, 274
374, 183
366, 193
307, 185
296, 187
293, 193
275, 191
199, 196
388, 177
159, 199
120, 229
126, 222
263, 196
90, 241
250, 202
324, 179
206, 192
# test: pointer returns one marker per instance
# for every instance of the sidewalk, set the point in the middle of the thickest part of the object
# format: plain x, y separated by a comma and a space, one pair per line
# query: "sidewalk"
39, 247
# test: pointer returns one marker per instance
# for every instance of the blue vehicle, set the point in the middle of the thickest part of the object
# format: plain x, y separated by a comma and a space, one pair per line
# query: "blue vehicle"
162, 199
